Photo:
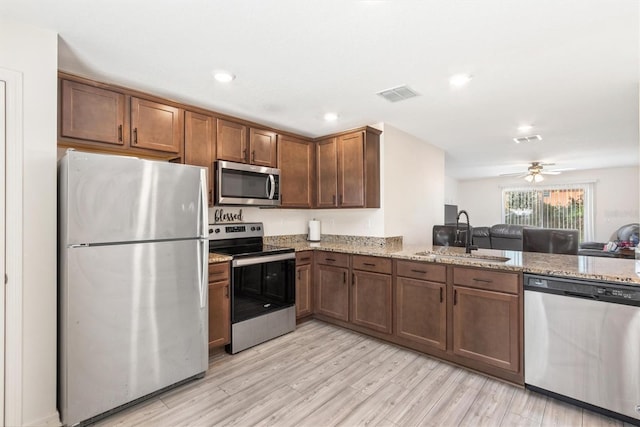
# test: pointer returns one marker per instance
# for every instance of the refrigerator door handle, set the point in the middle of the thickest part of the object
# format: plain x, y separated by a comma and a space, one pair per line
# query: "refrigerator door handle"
203, 251
204, 205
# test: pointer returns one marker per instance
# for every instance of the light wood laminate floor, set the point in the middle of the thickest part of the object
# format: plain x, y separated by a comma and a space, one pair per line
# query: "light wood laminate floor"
321, 375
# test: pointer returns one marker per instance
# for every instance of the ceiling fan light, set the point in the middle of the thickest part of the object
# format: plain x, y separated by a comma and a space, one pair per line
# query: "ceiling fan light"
528, 178
538, 178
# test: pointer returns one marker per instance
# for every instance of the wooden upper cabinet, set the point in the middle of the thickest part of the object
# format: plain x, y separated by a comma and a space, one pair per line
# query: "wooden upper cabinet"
351, 170
348, 170
156, 126
231, 141
92, 113
235, 144
263, 147
199, 148
327, 173
295, 160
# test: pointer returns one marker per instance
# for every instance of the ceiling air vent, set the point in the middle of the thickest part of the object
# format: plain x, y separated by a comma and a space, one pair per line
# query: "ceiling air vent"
531, 138
399, 93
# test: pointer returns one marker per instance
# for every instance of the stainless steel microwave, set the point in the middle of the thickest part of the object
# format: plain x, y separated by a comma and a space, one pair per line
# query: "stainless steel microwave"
241, 184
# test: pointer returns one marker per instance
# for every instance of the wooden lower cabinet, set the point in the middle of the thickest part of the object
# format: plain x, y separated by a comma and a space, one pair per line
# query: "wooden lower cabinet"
486, 327
219, 305
304, 290
421, 312
332, 291
371, 301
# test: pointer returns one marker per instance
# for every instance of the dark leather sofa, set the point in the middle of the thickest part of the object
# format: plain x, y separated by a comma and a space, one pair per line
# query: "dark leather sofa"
511, 237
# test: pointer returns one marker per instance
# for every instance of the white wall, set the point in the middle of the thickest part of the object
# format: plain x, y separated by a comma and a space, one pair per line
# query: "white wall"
450, 190
616, 198
414, 185
33, 52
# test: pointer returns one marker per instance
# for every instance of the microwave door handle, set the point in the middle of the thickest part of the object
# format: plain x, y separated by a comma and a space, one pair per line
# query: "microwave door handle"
272, 180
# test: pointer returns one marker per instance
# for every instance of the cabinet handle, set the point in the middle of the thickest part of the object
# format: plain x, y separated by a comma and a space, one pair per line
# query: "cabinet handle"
353, 279
482, 280
441, 295
298, 275
455, 297
331, 259
341, 199
333, 199
244, 154
419, 271
226, 291
135, 135
369, 264
253, 156
344, 277
120, 133
305, 259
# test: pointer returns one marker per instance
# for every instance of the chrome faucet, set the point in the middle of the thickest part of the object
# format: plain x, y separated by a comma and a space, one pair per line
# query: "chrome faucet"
468, 247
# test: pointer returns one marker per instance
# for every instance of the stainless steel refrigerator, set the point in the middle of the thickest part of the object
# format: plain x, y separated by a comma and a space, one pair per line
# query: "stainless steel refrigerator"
133, 254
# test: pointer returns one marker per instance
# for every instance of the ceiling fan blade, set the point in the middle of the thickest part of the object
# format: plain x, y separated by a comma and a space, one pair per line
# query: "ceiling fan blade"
550, 172
516, 174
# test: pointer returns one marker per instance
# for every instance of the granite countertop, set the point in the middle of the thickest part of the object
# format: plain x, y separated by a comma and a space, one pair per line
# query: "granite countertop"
213, 258
572, 266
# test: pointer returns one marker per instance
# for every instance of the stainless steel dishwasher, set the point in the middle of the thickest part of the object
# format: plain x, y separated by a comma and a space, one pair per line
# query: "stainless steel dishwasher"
582, 343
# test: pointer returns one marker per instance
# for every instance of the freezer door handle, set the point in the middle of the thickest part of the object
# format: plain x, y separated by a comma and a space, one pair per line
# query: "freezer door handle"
204, 206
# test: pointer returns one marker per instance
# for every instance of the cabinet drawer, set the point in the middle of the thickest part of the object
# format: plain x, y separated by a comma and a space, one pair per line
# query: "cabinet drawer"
422, 270
372, 263
486, 279
218, 272
304, 258
332, 258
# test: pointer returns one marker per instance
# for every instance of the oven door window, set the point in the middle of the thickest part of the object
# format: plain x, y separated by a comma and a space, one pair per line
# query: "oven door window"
261, 288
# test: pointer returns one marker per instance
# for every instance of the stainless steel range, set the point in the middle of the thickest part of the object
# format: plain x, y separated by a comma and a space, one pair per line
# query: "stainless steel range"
262, 283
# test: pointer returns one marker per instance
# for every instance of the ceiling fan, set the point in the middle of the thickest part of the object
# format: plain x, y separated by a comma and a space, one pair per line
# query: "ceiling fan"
535, 172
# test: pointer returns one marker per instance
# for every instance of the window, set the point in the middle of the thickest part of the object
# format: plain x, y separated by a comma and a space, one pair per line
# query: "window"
568, 207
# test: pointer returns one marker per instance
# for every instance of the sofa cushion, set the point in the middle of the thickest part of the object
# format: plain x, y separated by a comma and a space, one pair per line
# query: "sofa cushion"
506, 236
481, 237
550, 240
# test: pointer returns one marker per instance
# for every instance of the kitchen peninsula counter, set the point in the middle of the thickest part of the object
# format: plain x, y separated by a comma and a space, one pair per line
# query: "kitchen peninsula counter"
571, 266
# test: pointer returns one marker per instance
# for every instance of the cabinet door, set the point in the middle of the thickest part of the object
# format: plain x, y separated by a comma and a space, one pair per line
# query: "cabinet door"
327, 173
485, 327
92, 114
351, 170
304, 296
198, 144
295, 160
156, 126
421, 312
219, 314
231, 141
264, 148
371, 299
332, 292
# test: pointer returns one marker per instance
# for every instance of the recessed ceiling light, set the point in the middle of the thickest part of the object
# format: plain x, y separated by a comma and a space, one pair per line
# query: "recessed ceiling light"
459, 80
223, 76
524, 128
331, 117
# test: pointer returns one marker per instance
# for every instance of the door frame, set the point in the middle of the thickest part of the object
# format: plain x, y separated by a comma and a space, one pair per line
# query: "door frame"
13, 298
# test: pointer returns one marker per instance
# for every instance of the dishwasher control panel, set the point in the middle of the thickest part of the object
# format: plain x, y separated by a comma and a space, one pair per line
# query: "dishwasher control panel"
601, 291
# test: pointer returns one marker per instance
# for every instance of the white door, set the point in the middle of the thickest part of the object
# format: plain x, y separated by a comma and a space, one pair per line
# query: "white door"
2, 239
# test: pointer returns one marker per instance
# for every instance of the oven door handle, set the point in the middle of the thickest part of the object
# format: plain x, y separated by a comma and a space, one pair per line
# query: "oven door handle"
262, 259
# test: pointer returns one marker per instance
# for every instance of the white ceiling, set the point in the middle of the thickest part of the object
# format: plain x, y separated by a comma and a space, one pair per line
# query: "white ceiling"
569, 67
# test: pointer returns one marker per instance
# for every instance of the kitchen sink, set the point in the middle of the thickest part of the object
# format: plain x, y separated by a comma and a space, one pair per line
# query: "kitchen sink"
464, 257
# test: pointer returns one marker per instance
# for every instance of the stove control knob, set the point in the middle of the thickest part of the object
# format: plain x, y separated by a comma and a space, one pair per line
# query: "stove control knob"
217, 230
253, 229
258, 228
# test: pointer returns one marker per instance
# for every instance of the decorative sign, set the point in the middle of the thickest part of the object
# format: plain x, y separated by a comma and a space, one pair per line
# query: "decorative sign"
220, 216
